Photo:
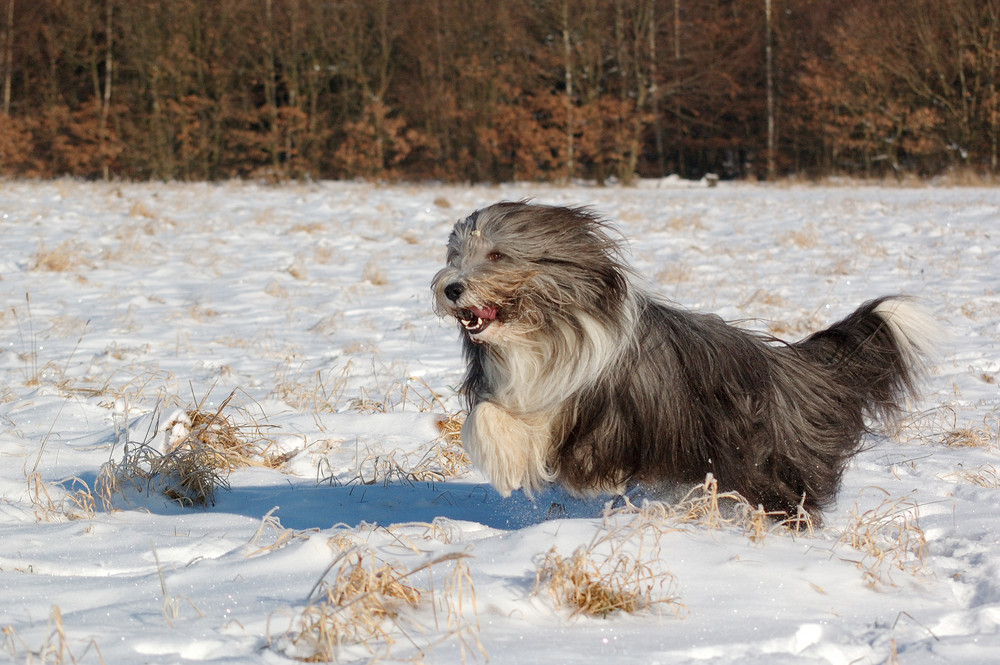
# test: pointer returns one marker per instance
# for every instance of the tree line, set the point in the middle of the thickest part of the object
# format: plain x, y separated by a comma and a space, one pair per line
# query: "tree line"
497, 90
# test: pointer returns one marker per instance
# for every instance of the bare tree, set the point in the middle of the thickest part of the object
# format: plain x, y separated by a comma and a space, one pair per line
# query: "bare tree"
8, 56
102, 127
769, 57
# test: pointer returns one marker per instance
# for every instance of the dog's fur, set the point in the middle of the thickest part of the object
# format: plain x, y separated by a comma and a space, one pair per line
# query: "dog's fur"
577, 376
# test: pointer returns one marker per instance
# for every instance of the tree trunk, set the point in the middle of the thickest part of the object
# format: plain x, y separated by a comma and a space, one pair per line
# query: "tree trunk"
654, 92
102, 126
769, 58
8, 56
568, 73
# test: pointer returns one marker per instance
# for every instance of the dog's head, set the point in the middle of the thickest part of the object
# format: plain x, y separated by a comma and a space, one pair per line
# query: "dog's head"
514, 269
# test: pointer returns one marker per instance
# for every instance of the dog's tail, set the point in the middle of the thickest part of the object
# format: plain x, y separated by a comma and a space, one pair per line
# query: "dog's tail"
878, 352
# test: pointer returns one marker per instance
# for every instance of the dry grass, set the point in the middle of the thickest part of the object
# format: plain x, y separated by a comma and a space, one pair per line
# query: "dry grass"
598, 586
73, 504
986, 475
374, 273
55, 649
976, 435
447, 454
204, 446
364, 604
674, 274
61, 258
319, 392
325, 392
796, 328
171, 603
139, 209
279, 536
412, 392
444, 458
706, 507
620, 570
764, 297
940, 425
889, 539
806, 237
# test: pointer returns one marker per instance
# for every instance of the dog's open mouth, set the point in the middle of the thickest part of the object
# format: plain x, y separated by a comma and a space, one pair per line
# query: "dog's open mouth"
477, 319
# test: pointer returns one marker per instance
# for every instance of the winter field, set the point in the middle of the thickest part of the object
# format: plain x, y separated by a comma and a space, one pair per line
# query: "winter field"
227, 422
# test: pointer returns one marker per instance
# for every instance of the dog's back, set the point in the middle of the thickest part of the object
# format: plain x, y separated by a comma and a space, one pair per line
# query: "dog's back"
776, 422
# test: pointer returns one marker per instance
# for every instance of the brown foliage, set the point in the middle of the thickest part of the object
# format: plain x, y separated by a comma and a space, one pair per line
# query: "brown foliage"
480, 90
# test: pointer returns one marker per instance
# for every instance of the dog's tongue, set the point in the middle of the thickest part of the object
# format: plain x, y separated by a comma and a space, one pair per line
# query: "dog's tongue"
485, 313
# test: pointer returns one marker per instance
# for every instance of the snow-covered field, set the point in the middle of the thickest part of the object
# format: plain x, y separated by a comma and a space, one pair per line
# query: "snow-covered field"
301, 315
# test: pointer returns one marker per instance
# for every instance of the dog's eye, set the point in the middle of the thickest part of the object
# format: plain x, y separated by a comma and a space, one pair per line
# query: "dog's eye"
496, 256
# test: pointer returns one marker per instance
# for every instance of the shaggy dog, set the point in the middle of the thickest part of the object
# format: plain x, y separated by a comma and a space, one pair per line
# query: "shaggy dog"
578, 377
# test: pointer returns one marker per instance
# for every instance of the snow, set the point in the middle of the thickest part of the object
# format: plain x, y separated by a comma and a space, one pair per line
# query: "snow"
127, 302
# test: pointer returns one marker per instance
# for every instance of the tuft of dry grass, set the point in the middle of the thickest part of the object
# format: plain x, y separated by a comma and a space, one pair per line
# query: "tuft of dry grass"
374, 273
447, 454
50, 373
620, 570
74, 504
594, 586
789, 329
975, 435
171, 607
411, 391
986, 475
139, 209
806, 237
765, 297
442, 459
705, 506
204, 446
54, 650
61, 258
940, 425
365, 603
889, 538
320, 392
280, 536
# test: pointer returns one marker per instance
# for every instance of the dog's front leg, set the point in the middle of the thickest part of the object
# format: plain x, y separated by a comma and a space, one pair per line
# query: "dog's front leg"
511, 449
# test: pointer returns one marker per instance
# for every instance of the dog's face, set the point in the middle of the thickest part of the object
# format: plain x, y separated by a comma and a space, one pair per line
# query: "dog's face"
515, 268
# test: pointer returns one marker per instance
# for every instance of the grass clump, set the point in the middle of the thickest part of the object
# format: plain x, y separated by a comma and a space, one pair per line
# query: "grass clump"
620, 570
985, 475
364, 605
940, 425
705, 506
55, 649
76, 501
320, 392
192, 454
598, 586
889, 539
444, 458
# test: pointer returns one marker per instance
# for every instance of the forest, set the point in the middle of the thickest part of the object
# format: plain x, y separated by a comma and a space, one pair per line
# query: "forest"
498, 90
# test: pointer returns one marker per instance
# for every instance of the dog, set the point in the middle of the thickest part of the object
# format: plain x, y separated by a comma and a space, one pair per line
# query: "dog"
576, 376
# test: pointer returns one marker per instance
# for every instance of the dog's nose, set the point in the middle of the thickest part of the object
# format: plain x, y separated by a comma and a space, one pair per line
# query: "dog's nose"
454, 291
